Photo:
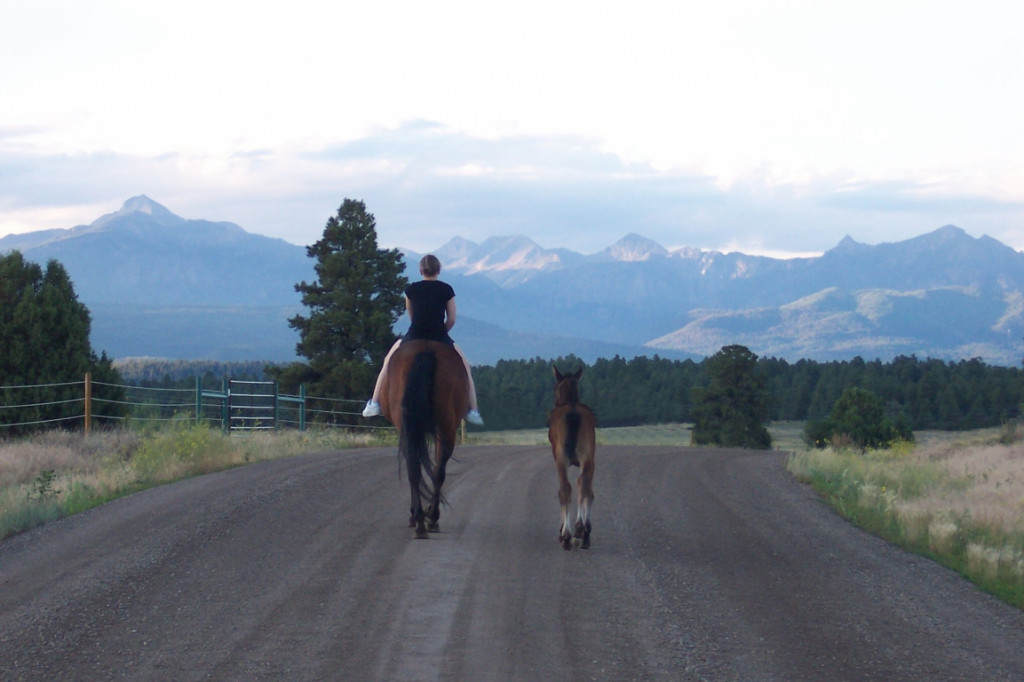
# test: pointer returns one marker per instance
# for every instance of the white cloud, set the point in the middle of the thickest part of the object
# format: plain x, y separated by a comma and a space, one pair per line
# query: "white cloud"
780, 126
426, 184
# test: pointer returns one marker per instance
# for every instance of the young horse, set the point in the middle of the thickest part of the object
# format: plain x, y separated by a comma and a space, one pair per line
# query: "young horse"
425, 395
571, 433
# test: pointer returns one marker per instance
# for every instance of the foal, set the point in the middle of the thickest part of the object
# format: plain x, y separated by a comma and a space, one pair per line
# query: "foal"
571, 433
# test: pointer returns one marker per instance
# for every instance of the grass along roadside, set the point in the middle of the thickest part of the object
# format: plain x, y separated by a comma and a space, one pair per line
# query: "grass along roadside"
56, 474
959, 501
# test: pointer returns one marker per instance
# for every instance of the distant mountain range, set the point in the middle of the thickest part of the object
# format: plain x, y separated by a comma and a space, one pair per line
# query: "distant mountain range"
163, 286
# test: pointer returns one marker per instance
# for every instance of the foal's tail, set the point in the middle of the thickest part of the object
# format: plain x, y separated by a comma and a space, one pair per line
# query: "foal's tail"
418, 419
572, 435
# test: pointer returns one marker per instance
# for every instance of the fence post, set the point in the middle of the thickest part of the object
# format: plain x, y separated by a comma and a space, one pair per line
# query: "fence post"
225, 414
199, 399
88, 402
277, 405
302, 407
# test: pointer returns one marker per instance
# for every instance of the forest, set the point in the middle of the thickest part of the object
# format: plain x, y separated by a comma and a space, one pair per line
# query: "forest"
515, 394
928, 394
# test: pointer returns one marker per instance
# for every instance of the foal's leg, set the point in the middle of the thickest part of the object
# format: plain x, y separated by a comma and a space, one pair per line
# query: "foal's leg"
564, 496
586, 498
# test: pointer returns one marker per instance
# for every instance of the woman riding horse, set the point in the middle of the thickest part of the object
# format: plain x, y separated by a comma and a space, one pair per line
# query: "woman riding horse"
430, 304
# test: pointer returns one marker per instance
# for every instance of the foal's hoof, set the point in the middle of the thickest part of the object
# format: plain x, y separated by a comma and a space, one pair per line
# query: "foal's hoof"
566, 542
433, 526
422, 534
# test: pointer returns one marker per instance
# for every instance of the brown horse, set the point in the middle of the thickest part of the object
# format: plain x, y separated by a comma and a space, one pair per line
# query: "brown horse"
425, 395
571, 427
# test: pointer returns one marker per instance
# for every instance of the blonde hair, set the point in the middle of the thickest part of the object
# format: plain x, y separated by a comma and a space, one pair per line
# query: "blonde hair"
430, 266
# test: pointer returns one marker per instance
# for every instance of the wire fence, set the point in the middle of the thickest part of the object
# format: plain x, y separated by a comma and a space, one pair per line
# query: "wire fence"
236, 406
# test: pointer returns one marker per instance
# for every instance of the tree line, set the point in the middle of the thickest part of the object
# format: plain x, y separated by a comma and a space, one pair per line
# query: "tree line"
923, 393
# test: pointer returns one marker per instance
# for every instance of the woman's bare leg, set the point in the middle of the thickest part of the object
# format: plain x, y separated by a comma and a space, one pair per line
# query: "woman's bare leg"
384, 371
469, 373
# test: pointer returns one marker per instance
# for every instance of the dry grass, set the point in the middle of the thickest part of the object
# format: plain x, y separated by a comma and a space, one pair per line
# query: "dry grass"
23, 460
55, 474
959, 499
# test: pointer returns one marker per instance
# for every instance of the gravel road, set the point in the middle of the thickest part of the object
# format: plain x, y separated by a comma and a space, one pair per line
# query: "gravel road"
705, 565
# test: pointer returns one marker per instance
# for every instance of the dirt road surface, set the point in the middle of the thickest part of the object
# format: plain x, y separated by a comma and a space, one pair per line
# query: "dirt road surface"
705, 565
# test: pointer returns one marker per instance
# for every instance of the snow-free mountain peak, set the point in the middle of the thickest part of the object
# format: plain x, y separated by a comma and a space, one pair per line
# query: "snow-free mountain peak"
141, 204
634, 247
848, 246
456, 252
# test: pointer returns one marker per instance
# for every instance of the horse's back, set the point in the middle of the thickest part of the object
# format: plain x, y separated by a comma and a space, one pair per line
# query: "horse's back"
450, 385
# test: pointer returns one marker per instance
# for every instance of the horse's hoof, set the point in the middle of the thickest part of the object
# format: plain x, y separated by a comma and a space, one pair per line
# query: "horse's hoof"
422, 534
434, 527
585, 543
566, 543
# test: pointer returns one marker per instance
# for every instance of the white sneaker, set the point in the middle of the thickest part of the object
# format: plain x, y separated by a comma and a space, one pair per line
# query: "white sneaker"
473, 417
372, 408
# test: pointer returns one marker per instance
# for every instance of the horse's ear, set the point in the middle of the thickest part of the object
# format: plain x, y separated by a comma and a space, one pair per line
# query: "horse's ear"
558, 375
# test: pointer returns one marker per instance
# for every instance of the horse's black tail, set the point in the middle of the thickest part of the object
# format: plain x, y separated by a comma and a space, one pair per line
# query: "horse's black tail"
417, 419
572, 434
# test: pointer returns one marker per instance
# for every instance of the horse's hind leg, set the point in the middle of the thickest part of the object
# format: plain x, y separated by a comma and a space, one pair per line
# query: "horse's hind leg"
586, 498
564, 497
434, 509
416, 516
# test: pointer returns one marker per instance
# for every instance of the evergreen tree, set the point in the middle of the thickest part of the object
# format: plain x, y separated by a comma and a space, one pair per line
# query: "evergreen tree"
353, 305
44, 343
859, 418
733, 409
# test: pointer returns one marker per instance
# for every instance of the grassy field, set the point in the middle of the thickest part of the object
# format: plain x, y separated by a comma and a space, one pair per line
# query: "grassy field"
957, 498
785, 436
656, 434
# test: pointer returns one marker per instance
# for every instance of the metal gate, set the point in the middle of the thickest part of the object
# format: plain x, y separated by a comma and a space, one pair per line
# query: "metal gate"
252, 405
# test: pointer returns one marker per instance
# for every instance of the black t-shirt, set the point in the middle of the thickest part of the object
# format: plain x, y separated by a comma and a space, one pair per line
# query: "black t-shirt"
427, 301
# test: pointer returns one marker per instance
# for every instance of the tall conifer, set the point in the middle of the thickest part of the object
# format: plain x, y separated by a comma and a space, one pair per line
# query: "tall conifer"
353, 305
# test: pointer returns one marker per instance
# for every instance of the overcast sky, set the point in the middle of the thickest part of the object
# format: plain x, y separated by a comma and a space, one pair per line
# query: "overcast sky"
771, 127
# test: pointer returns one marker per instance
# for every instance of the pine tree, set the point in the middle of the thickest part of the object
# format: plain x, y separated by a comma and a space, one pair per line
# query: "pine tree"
859, 416
44, 343
353, 305
733, 409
